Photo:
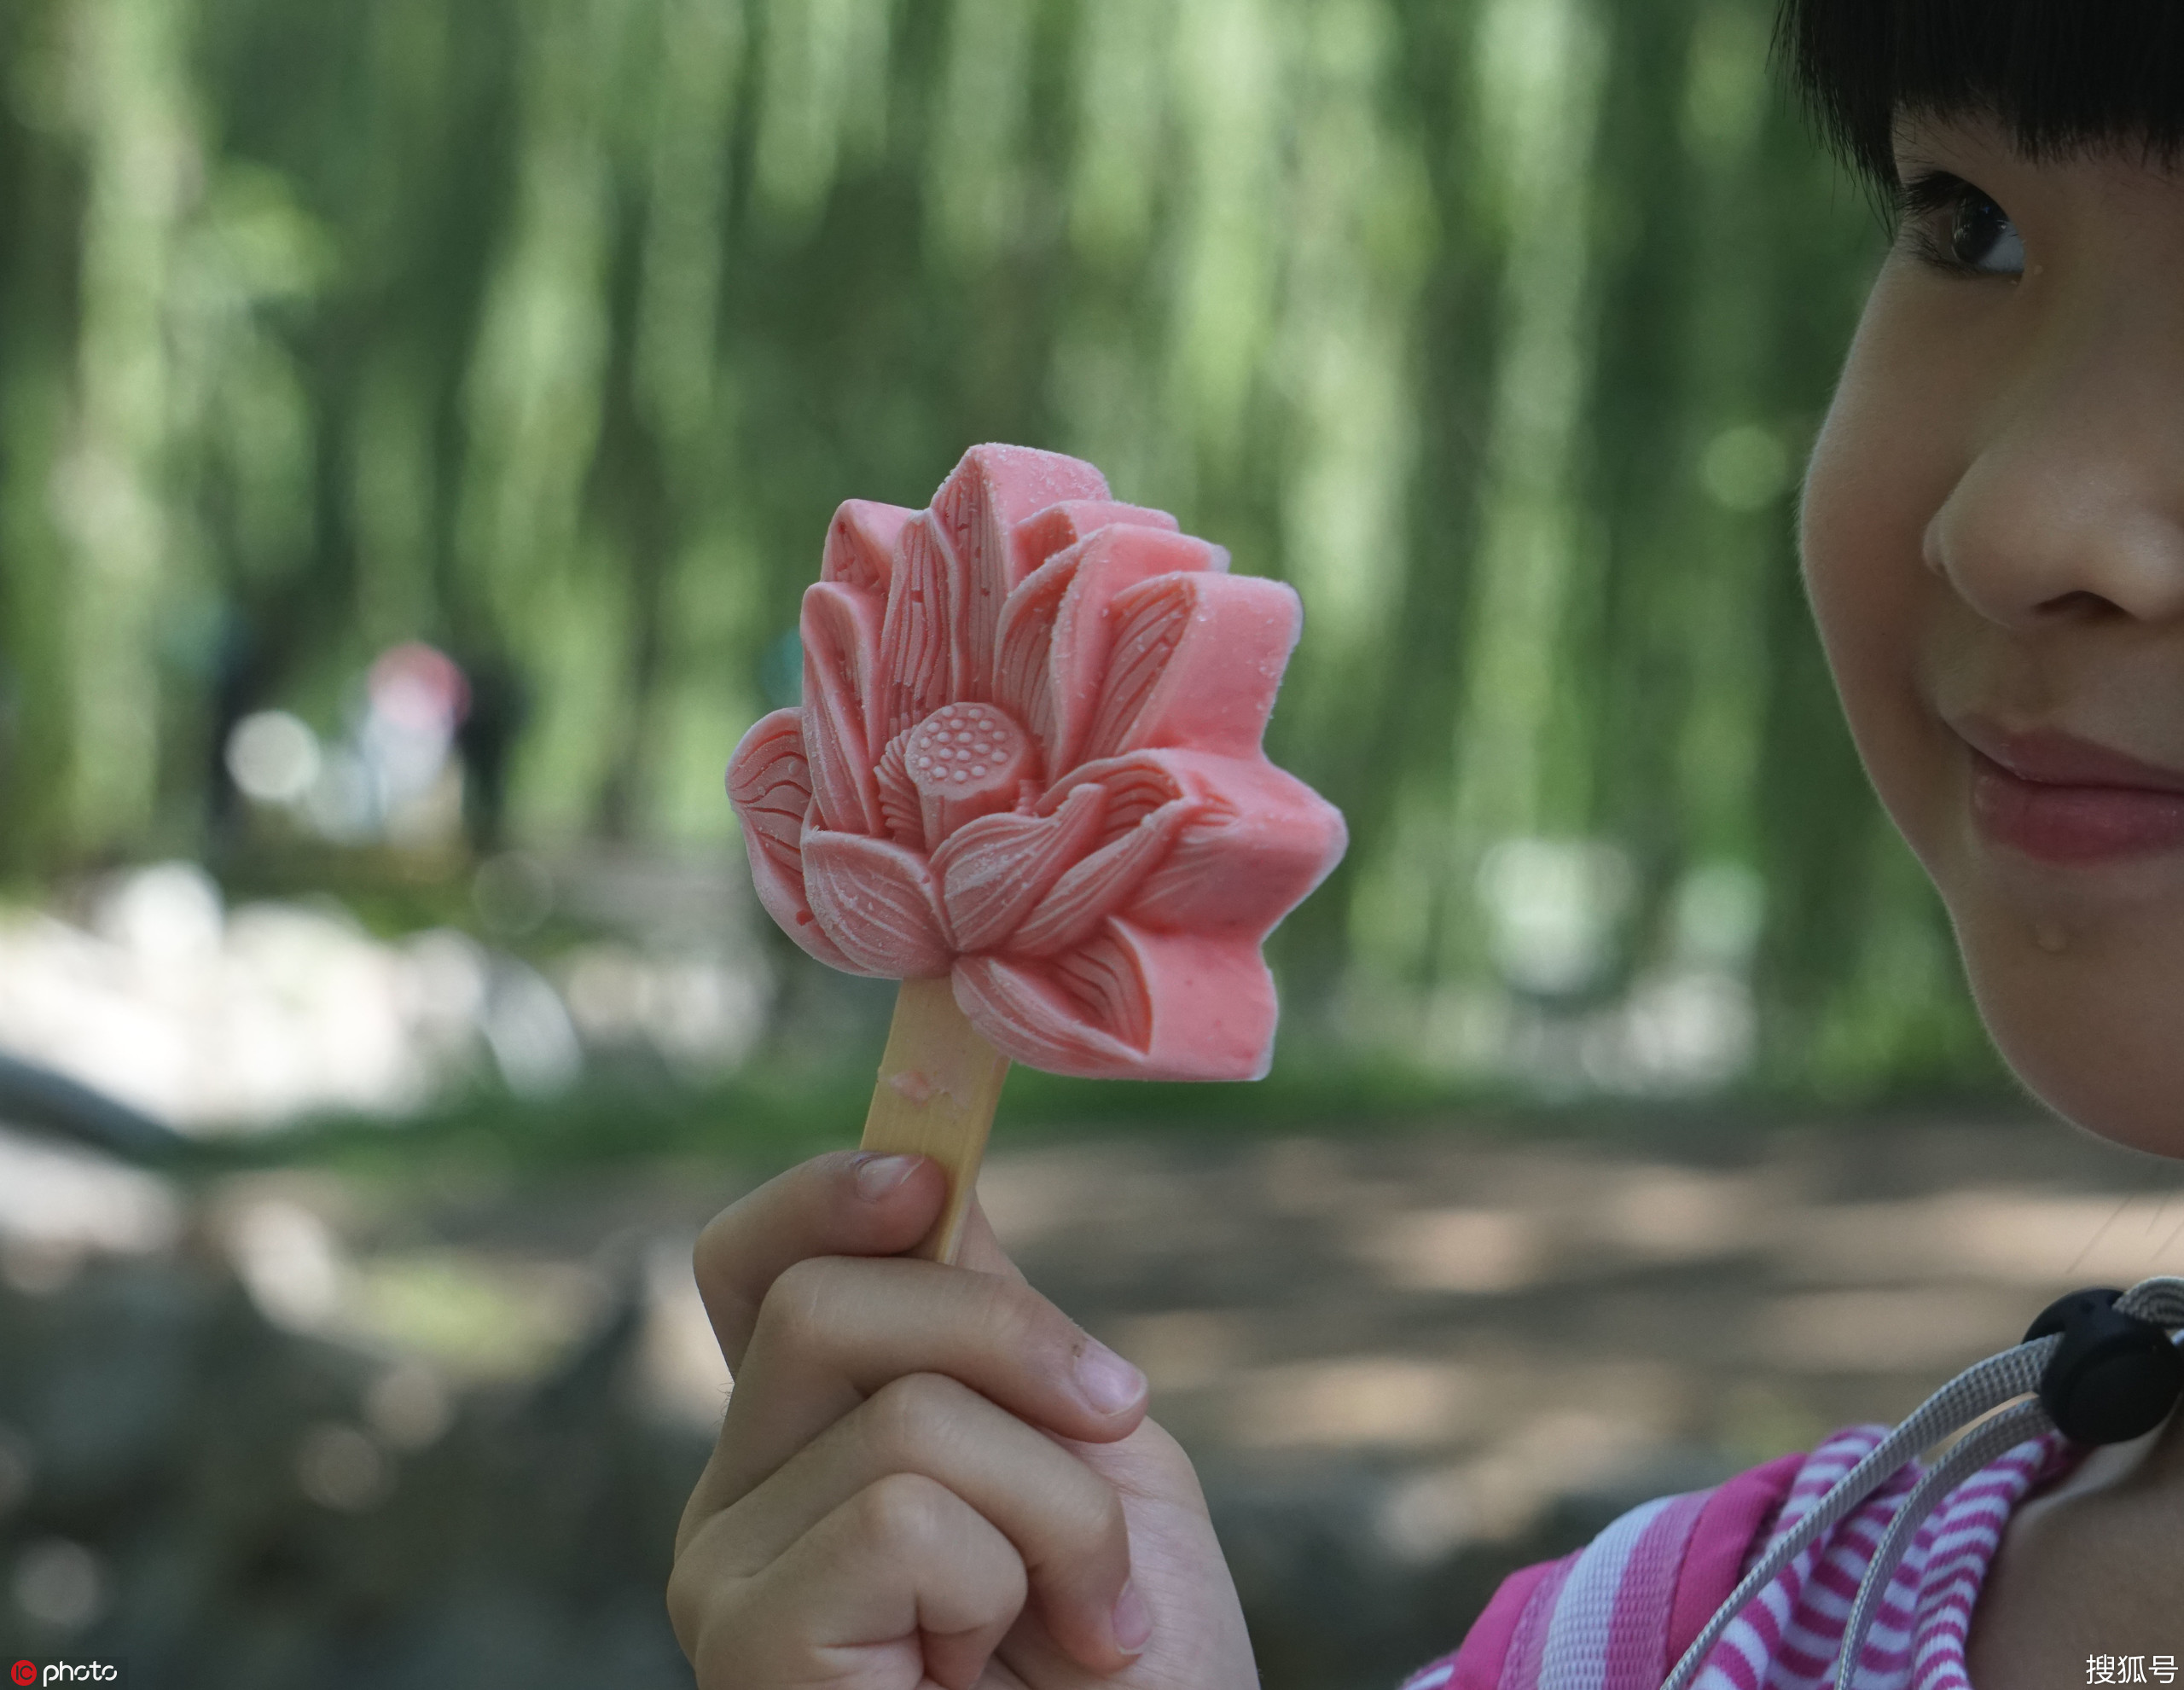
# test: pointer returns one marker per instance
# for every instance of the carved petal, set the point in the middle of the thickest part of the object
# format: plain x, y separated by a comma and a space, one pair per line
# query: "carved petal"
1051, 540
901, 811
840, 634
994, 869
1136, 786
1040, 536
990, 492
1110, 562
1259, 840
770, 784
918, 655
875, 902
1128, 1004
1022, 684
861, 546
1101, 885
1196, 661
1030, 1012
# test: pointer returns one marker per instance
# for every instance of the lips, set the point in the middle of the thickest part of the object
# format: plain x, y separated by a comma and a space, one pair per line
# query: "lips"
2071, 802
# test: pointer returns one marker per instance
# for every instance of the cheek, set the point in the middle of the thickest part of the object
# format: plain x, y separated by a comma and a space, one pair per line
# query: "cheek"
2083, 1005
1876, 477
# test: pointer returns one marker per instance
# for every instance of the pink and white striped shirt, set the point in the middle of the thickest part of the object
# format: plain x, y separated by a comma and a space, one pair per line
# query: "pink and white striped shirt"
1619, 1613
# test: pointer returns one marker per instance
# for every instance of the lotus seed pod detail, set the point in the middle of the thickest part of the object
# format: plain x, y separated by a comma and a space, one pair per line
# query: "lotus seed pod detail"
1029, 758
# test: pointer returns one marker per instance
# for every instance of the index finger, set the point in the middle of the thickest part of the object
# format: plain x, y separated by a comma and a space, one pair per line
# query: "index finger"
850, 1203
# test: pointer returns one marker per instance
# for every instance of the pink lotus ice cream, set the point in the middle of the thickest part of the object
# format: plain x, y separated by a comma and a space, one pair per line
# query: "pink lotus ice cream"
1029, 759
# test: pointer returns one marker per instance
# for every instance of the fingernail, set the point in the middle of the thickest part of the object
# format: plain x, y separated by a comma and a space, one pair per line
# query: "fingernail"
877, 1176
1109, 1383
1133, 1621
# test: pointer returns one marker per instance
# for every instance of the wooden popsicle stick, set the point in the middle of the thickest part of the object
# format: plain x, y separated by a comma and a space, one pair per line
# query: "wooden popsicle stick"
939, 1084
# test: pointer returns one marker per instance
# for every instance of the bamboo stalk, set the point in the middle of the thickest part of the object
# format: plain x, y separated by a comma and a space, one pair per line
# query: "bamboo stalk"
940, 1083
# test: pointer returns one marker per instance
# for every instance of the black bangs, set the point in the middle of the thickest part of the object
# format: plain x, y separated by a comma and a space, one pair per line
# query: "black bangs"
2057, 72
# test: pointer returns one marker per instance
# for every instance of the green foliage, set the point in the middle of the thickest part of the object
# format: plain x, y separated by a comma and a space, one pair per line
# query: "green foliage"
553, 330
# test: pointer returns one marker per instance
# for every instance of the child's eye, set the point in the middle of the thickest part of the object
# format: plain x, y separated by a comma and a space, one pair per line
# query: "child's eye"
1982, 237
1957, 227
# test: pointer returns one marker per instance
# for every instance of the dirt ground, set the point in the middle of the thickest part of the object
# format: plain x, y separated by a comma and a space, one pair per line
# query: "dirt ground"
1405, 1364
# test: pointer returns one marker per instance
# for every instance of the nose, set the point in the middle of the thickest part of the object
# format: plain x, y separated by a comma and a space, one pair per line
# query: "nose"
2073, 507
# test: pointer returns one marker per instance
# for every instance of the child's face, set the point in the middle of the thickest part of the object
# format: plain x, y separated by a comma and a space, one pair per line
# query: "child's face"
1994, 535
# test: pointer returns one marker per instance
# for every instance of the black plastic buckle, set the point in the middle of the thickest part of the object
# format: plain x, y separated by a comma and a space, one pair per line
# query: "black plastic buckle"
2114, 1377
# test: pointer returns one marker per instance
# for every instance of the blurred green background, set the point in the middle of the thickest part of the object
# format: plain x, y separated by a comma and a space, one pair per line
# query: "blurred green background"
551, 334
418, 423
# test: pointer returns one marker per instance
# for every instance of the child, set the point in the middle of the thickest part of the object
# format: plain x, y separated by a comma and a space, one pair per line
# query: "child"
930, 1477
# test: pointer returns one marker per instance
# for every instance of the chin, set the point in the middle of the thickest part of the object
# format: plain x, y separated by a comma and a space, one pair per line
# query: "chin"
2083, 1036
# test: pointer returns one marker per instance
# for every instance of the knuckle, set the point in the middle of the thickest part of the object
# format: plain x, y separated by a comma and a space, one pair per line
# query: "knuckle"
687, 1597
736, 1649
699, 1603
795, 1305
810, 1281
907, 1417
914, 1524
904, 1512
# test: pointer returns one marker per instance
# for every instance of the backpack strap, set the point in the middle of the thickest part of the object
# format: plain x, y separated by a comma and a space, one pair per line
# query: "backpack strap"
1735, 1524
1616, 1614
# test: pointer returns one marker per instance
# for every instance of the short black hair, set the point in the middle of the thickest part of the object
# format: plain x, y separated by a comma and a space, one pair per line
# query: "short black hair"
2058, 73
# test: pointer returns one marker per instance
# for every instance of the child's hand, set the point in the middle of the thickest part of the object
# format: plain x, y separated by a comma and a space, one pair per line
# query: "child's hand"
929, 1476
